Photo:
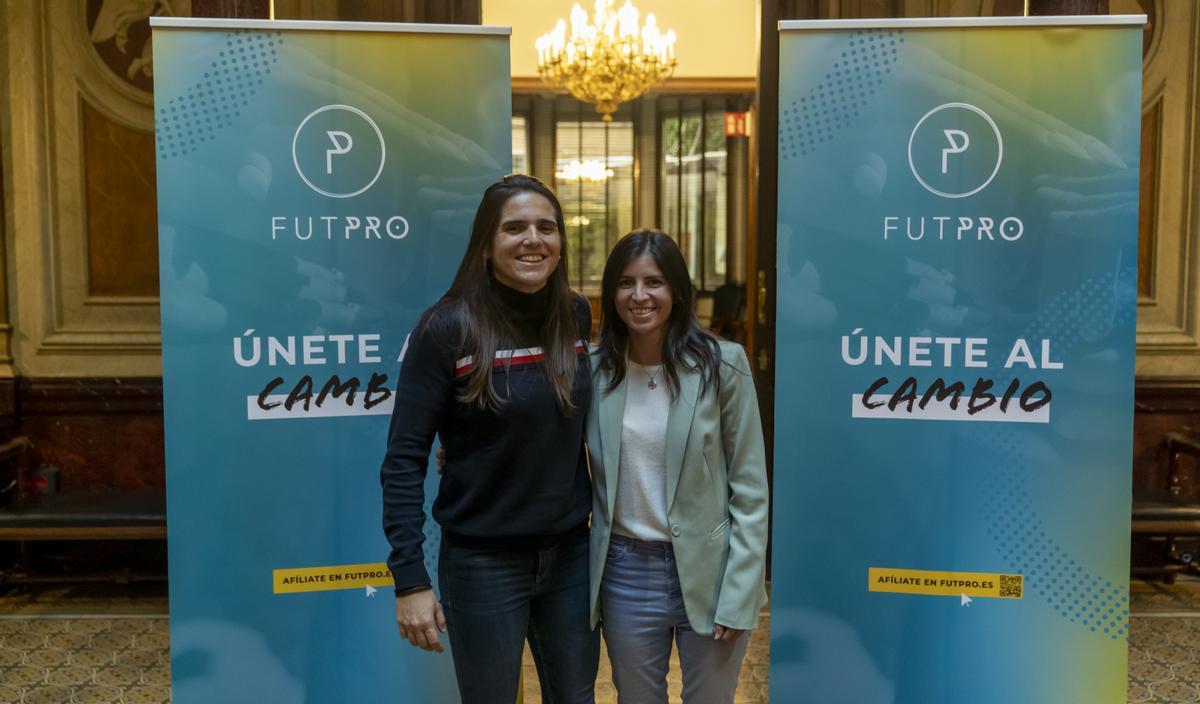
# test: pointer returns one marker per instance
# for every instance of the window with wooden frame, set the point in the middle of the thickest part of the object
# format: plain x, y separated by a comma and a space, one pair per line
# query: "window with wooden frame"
702, 185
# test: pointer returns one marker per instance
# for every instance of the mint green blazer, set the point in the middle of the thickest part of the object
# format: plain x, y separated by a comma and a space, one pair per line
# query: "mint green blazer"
717, 498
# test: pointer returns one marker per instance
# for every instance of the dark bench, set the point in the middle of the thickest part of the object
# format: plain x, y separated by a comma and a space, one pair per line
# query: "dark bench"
126, 515
117, 515
1168, 515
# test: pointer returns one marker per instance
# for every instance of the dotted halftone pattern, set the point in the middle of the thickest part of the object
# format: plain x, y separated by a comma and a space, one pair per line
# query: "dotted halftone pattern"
1074, 592
1084, 315
1074, 318
842, 94
234, 77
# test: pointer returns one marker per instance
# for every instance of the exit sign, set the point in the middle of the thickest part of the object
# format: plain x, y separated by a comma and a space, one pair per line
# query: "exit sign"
737, 124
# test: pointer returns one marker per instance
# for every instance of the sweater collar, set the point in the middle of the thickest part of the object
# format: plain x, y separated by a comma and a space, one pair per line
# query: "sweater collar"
524, 306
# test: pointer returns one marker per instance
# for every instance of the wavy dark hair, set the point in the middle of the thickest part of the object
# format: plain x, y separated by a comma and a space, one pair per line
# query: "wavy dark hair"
485, 326
686, 345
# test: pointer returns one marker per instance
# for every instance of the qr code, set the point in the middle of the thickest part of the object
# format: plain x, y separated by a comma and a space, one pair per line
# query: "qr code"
1011, 585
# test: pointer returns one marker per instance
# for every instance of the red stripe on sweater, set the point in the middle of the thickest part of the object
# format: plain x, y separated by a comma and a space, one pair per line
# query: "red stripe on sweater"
528, 355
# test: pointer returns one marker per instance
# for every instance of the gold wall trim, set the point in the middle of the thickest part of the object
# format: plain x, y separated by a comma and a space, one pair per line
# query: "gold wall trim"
1155, 20
1168, 320
1148, 195
60, 330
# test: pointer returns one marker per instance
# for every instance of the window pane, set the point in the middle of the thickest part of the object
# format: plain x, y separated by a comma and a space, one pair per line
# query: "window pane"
681, 196
694, 175
689, 234
669, 177
716, 183
520, 146
594, 180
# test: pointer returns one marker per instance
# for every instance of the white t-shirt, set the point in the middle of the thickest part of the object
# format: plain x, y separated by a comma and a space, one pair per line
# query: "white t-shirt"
641, 508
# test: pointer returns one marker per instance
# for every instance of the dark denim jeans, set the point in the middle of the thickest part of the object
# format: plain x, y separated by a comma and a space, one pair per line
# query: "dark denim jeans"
495, 599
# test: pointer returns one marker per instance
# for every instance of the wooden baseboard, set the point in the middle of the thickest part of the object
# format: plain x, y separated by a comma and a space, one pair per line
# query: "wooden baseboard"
90, 533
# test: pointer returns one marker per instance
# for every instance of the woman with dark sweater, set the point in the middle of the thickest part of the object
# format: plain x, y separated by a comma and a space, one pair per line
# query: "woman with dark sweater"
498, 370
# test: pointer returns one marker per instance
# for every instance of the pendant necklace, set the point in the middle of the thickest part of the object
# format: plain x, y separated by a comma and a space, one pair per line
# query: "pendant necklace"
653, 376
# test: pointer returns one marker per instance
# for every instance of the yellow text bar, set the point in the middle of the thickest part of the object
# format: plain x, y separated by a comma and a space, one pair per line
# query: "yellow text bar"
321, 579
972, 584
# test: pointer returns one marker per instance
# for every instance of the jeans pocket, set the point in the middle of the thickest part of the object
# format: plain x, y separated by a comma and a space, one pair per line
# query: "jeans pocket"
617, 550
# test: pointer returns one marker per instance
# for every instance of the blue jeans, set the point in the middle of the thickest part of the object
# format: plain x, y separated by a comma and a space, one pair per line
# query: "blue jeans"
495, 599
642, 610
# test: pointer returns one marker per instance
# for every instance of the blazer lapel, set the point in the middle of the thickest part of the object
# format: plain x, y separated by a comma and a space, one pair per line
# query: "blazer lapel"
611, 418
679, 427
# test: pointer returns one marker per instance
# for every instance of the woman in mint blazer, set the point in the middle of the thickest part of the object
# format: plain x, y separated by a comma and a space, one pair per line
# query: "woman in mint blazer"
680, 500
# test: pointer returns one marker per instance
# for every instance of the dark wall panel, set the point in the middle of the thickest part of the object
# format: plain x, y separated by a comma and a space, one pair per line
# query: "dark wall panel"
122, 208
101, 434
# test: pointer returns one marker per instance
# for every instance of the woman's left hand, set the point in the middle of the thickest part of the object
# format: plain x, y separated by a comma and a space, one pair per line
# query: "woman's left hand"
726, 634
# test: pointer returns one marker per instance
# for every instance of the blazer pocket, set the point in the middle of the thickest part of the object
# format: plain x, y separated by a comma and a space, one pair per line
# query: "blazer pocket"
721, 527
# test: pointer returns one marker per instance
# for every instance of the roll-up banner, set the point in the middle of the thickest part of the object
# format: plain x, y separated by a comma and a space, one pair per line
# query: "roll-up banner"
957, 279
316, 185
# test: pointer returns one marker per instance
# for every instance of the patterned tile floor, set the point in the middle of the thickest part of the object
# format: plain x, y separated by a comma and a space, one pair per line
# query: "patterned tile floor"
58, 660
119, 653
752, 686
1164, 660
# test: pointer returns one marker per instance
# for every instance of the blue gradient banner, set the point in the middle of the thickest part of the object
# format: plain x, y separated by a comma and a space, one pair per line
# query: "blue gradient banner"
957, 281
315, 192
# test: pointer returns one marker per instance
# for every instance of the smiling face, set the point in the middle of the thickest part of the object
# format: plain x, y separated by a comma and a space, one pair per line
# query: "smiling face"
643, 300
527, 245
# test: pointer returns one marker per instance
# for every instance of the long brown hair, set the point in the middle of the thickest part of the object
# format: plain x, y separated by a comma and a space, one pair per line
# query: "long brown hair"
686, 345
486, 327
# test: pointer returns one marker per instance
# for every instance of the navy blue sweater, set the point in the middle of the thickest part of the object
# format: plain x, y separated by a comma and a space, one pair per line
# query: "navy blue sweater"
514, 479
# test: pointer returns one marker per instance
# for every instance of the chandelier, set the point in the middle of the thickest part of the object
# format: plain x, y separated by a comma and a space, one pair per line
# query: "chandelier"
586, 170
609, 60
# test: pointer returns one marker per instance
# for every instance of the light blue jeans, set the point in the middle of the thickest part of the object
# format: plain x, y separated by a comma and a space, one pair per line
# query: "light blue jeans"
642, 611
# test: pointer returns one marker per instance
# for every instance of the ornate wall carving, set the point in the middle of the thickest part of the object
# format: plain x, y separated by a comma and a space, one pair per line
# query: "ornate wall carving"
120, 38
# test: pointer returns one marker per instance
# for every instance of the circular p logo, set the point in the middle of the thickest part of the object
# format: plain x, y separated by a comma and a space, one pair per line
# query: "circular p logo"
338, 151
955, 150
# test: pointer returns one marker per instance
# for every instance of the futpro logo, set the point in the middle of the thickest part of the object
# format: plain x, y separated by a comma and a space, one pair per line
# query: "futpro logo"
955, 150
338, 151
